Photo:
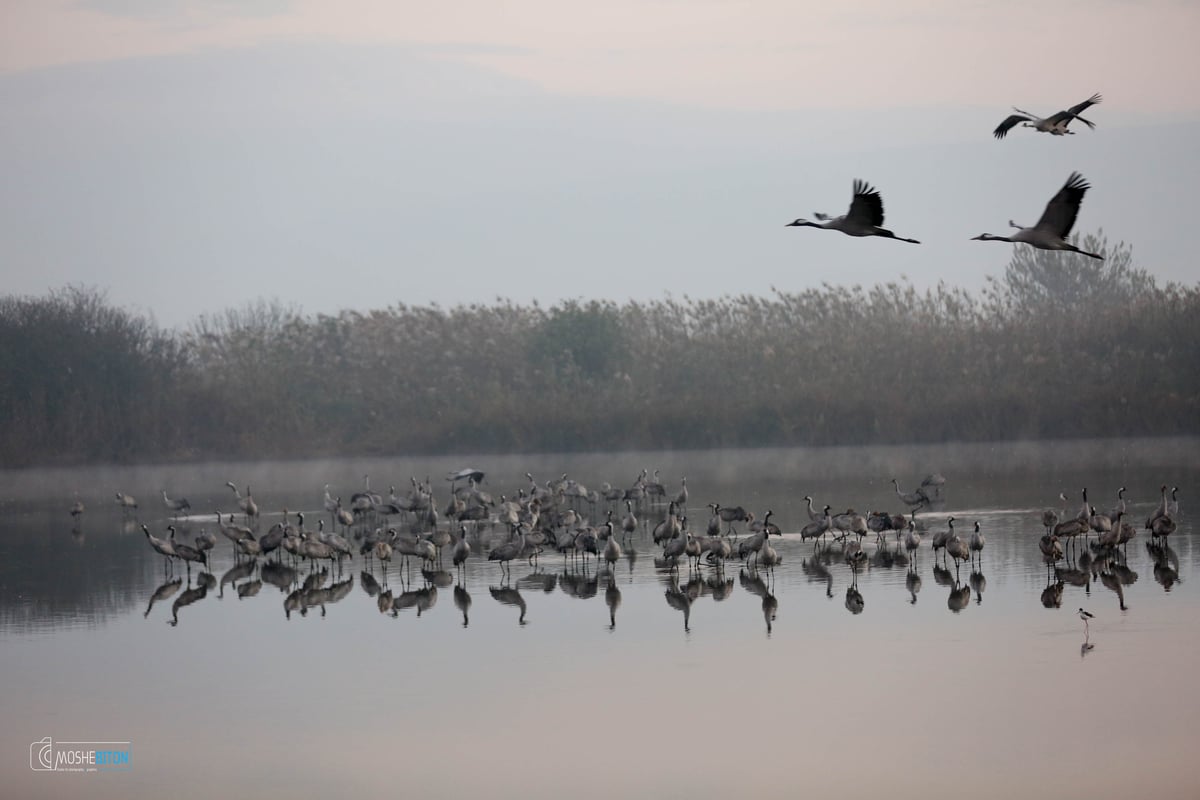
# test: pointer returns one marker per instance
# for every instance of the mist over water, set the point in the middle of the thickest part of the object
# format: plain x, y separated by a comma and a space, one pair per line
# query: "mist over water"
802, 672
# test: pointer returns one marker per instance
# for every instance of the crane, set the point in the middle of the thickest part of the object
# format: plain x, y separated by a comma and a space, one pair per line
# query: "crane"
863, 219
246, 504
163, 548
1051, 231
1055, 124
178, 505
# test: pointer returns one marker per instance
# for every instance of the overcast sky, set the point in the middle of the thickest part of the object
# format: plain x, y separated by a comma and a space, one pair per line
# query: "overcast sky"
189, 156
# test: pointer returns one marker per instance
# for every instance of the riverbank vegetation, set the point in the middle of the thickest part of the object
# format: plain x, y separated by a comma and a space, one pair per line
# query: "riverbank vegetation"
1056, 347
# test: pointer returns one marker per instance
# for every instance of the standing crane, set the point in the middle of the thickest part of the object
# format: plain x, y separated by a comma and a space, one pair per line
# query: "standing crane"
506, 552
863, 219
462, 549
164, 548
976, 543
1052, 229
1055, 124
246, 504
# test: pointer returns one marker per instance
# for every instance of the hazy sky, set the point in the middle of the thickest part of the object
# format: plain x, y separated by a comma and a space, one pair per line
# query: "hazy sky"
189, 156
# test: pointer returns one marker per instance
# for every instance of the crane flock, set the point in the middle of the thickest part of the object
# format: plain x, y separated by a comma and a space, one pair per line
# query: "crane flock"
865, 215
594, 534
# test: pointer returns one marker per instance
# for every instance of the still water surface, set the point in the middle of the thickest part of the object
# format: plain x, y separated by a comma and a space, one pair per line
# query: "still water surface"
909, 681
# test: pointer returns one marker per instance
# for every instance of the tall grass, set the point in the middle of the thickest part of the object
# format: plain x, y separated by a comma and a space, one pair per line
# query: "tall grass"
1058, 346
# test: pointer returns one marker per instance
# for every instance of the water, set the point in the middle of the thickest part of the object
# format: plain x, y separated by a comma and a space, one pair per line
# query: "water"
558, 681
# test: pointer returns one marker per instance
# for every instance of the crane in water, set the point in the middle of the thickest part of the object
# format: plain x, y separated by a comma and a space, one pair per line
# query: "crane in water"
126, 502
976, 543
506, 552
941, 538
246, 504
162, 547
612, 548
912, 539
462, 549
1051, 516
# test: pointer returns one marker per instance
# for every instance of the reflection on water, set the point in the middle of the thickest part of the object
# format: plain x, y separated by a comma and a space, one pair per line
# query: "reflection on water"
462, 601
978, 583
509, 597
164, 591
563, 596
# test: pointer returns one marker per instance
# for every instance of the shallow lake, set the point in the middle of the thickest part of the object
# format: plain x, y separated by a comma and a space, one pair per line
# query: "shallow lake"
902, 680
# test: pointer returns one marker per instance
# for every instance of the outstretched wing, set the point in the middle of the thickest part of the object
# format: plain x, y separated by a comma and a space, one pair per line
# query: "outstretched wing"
1063, 208
1075, 111
867, 206
1009, 121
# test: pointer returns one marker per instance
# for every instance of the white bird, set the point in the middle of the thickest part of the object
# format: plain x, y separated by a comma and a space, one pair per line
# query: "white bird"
863, 219
1085, 616
1055, 124
1052, 229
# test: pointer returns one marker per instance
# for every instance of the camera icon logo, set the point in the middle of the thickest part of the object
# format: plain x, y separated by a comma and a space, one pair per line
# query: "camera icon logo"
41, 754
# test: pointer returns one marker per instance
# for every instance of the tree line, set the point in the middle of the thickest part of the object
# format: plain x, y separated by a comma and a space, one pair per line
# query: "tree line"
1055, 347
